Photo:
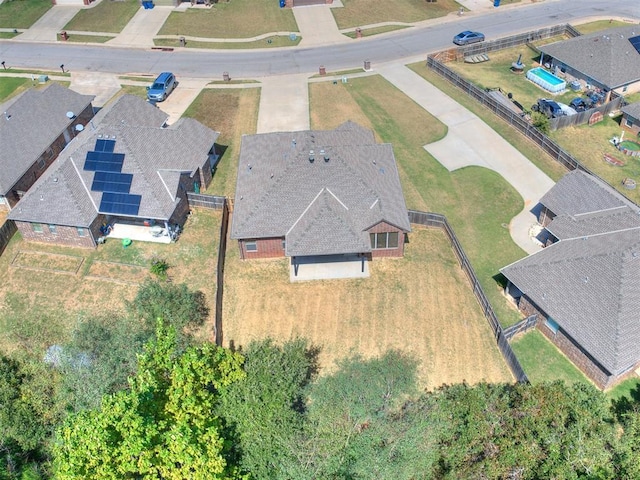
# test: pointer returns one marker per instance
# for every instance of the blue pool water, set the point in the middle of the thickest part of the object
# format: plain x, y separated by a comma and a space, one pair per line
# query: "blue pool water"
546, 80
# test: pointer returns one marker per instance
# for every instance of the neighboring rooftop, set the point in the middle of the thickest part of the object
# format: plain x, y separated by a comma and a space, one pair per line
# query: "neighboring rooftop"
150, 158
320, 189
633, 109
606, 56
578, 192
590, 286
30, 124
586, 224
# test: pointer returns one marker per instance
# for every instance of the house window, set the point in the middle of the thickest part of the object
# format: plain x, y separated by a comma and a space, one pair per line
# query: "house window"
625, 88
41, 163
628, 122
552, 325
53, 230
251, 246
384, 240
284, 244
82, 232
36, 227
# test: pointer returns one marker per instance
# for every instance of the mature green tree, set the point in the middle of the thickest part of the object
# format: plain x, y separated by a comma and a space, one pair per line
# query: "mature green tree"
99, 358
176, 304
163, 427
359, 396
266, 409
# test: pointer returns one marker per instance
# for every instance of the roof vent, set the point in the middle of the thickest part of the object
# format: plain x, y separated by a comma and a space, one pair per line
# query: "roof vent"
249, 167
585, 279
7, 116
312, 156
55, 179
79, 127
71, 115
293, 143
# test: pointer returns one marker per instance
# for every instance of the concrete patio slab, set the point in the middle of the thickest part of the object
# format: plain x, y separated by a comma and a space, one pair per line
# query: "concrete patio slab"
328, 267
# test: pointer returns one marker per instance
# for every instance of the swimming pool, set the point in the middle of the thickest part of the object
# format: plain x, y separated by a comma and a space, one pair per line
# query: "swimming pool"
546, 80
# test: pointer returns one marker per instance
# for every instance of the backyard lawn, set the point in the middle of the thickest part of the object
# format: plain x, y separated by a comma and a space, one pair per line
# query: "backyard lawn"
542, 361
46, 289
233, 113
235, 19
478, 202
107, 16
22, 13
420, 304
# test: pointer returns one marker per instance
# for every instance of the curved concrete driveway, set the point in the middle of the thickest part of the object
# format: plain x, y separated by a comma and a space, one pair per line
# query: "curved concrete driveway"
470, 141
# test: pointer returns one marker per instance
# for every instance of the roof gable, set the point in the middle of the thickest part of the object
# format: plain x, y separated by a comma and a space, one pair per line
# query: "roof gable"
586, 224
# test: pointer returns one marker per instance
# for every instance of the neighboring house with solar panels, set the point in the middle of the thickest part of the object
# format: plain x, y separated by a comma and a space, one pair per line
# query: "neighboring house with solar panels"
126, 169
608, 59
320, 195
585, 285
34, 128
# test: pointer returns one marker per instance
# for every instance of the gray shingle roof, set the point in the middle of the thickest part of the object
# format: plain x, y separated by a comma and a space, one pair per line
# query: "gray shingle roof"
330, 204
590, 287
606, 56
586, 224
35, 120
633, 110
578, 192
156, 157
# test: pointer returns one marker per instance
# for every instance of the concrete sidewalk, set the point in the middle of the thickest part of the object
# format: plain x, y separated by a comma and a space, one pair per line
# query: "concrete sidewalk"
470, 141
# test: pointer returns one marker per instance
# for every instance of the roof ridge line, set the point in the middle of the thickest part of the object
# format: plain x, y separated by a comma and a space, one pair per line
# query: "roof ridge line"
307, 209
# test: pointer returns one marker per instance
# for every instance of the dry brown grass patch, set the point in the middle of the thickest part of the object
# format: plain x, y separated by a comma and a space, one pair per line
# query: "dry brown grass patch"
420, 304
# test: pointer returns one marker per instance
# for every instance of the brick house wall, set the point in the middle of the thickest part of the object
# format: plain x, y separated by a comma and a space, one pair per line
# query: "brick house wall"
266, 248
567, 345
61, 234
635, 124
398, 251
47, 157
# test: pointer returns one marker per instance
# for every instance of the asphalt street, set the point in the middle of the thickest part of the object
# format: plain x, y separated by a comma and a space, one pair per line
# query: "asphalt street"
413, 43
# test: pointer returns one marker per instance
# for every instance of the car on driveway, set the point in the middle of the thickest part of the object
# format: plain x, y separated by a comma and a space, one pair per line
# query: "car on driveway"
467, 37
162, 87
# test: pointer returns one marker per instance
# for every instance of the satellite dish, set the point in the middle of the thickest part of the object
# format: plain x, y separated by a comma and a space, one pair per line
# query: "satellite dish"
79, 127
70, 115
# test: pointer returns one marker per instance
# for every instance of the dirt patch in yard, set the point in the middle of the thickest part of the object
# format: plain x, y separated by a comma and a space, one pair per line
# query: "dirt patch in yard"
420, 304
44, 261
117, 272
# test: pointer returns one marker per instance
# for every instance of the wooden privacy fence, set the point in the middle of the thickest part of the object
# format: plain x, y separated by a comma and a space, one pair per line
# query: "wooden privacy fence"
7, 230
521, 327
216, 202
440, 221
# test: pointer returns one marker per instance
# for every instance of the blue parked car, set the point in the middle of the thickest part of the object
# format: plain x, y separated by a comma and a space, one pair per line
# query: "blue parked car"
467, 37
162, 87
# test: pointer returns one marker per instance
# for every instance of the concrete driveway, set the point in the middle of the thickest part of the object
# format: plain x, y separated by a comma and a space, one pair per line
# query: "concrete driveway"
142, 28
47, 27
470, 141
182, 96
284, 104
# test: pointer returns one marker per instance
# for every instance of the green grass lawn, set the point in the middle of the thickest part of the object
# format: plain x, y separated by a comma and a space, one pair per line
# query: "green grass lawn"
542, 361
270, 42
357, 13
22, 13
107, 16
477, 201
86, 38
10, 86
630, 388
368, 32
236, 114
235, 19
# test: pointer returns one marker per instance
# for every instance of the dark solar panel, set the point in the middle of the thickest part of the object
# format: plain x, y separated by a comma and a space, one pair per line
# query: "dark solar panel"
635, 41
112, 182
105, 145
120, 203
104, 162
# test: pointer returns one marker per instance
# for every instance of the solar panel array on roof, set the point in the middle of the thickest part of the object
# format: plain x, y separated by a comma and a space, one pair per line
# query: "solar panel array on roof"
112, 182
635, 41
120, 203
104, 162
